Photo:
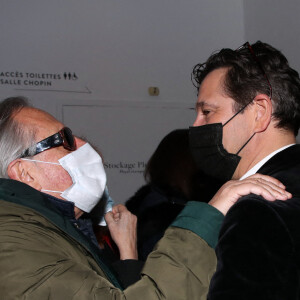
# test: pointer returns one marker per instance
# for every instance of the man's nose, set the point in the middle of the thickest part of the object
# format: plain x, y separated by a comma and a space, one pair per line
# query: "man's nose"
199, 122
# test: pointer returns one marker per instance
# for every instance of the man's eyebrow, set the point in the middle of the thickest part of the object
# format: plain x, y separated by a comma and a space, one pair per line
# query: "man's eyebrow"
201, 104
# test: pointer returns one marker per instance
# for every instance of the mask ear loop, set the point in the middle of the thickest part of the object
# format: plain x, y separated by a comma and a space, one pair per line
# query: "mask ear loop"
237, 113
45, 162
246, 143
40, 161
232, 118
58, 192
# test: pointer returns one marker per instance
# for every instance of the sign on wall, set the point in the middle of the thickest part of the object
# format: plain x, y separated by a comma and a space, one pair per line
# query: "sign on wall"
66, 81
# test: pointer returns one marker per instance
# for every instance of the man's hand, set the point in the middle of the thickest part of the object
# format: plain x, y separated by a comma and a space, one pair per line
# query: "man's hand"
268, 187
122, 226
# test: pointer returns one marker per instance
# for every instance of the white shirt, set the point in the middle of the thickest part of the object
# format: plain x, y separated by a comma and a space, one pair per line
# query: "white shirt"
262, 162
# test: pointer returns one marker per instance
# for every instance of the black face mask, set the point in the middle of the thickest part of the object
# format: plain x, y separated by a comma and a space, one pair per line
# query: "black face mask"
209, 153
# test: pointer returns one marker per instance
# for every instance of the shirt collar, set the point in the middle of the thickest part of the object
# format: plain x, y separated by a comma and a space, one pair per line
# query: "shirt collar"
254, 169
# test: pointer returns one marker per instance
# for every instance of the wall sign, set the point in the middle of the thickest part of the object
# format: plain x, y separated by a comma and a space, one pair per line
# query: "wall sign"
67, 81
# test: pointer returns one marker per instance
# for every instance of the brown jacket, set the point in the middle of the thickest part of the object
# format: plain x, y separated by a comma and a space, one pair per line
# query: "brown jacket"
43, 256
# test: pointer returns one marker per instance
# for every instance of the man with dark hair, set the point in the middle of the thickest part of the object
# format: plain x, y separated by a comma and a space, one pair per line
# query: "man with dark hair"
49, 179
248, 116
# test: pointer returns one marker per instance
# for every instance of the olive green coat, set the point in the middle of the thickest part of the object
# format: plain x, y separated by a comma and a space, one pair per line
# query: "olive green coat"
43, 256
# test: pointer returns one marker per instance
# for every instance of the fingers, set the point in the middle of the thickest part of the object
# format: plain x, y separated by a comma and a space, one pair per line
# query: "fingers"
266, 186
117, 212
122, 227
109, 218
268, 178
269, 188
268, 191
119, 208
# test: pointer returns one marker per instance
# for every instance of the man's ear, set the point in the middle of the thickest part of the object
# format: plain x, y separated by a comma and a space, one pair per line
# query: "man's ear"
263, 112
25, 172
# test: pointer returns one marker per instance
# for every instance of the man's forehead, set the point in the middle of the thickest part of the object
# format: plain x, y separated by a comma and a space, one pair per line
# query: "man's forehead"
213, 82
45, 123
29, 114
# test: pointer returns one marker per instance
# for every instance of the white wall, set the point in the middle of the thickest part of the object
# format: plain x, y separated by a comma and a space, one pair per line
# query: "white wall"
117, 49
275, 22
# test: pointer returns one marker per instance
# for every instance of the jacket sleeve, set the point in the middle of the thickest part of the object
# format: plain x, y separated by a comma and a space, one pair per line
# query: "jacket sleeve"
180, 267
183, 261
255, 254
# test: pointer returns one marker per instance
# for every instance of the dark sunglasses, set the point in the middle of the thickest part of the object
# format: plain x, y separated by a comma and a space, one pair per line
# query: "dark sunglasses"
63, 138
248, 46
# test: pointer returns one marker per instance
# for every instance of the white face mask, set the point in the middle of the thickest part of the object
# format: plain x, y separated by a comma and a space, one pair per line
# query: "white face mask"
86, 169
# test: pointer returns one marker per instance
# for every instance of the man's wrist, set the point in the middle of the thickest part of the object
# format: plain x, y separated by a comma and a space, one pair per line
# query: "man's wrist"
201, 218
128, 253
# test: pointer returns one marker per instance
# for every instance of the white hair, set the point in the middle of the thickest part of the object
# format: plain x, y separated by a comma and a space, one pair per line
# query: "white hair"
14, 138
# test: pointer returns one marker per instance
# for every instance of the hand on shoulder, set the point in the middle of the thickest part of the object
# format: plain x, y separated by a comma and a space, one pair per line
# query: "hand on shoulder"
266, 186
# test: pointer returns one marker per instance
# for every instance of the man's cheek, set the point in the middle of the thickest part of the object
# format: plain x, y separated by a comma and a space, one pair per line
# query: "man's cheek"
65, 179
58, 179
